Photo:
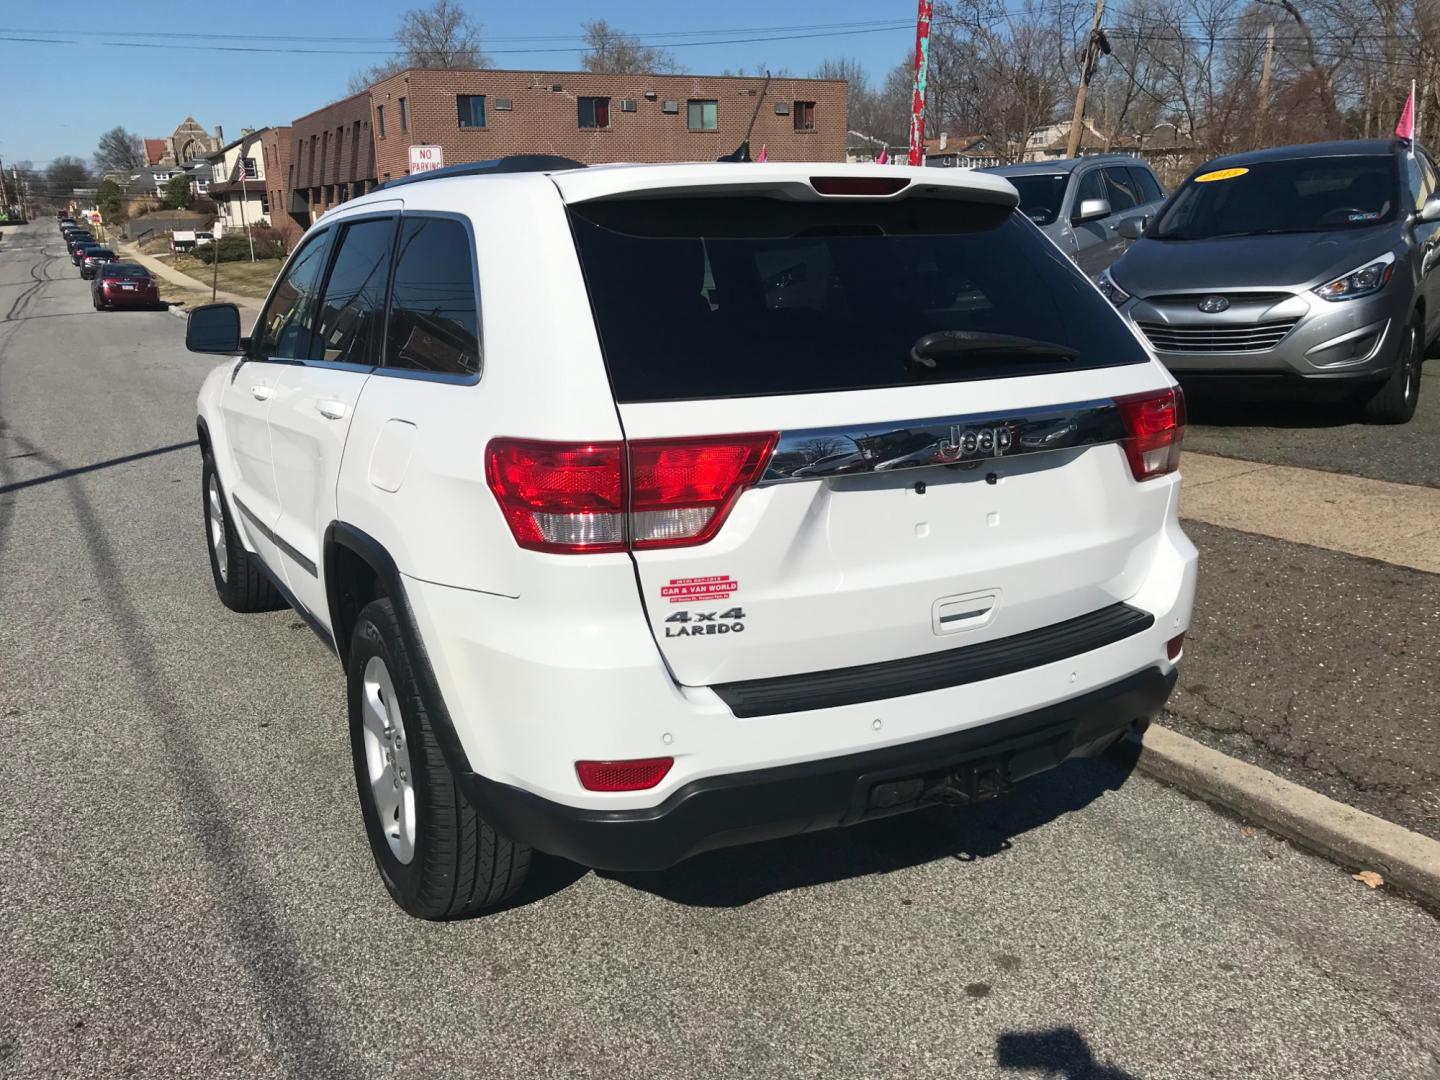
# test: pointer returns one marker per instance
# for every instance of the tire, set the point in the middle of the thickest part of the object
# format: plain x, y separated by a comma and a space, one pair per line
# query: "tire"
240, 582
437, 856
1395, 400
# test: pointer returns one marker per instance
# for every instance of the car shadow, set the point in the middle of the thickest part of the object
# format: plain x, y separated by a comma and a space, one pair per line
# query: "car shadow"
734, 877
1210, 408
1059, 1052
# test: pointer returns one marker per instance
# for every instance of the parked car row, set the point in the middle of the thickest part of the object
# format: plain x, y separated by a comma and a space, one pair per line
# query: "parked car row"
1311, 269
113, 284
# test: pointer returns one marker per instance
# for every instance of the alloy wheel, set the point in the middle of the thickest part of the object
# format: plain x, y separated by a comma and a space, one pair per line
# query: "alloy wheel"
215, 523
387, 760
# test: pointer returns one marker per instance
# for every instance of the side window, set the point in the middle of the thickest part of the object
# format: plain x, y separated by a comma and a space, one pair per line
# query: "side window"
1121, 189
1091, 187
434, 319
1146, 184
352, 313
290, 316
1421, 178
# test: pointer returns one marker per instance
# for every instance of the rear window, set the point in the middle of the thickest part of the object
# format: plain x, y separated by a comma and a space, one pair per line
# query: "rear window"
710, 298
125, 270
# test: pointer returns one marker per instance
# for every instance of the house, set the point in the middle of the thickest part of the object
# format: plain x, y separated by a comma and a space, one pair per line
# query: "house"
1092, 141
188, 142
237, 182
961, 151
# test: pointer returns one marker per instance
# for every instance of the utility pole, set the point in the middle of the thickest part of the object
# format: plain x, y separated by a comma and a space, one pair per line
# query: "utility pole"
1265, 87
922, 67
1094, 45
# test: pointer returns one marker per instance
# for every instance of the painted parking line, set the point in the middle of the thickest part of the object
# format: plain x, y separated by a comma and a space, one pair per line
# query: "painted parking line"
1396, 523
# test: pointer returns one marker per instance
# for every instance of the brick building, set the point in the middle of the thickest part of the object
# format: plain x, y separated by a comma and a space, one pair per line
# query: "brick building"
275, 154
332, 158
597, 117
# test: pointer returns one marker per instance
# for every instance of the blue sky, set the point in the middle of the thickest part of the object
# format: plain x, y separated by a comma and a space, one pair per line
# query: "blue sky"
152, 80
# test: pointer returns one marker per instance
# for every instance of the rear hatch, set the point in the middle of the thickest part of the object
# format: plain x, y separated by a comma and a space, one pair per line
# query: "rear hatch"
894, 410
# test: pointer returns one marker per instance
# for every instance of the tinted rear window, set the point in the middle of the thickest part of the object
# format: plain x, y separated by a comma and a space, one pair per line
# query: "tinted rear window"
708, 298
124, 270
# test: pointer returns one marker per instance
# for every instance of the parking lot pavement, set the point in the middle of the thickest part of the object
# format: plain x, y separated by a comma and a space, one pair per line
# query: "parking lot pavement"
1321, 436
187, 890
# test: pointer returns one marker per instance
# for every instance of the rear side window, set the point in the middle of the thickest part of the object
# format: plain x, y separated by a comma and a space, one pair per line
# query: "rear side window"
352, 315
1146, 184
1121, 190
290, 315
434, 317
711, 298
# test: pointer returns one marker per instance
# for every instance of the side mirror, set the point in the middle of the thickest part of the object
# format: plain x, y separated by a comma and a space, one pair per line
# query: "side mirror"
213, 328
1131, 227
1092, 210
1429, 212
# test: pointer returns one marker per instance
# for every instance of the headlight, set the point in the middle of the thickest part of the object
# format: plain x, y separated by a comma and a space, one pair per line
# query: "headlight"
1106, 284
1359, 282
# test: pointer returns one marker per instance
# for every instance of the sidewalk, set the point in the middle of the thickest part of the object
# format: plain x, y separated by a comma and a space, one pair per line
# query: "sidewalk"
249, 307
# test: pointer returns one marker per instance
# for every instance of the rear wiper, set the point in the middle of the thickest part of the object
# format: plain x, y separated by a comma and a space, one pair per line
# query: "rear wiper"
950, 345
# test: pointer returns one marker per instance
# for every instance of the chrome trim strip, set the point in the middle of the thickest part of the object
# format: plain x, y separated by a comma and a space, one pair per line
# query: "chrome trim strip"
817, 453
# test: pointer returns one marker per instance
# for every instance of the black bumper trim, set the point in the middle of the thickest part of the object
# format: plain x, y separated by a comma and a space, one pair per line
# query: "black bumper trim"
934, 671
740, 808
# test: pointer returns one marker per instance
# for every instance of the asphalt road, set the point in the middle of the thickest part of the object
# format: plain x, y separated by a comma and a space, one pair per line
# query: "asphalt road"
187, 892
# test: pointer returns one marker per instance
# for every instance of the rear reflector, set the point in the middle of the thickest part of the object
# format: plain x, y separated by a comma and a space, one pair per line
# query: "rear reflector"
1175, 646
1155, 427
611, 496
637, 774
858, 185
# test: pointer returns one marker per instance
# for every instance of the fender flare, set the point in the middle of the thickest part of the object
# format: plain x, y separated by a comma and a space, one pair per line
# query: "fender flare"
373, 553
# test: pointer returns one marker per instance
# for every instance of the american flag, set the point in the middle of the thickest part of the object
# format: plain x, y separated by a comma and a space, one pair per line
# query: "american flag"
239, 170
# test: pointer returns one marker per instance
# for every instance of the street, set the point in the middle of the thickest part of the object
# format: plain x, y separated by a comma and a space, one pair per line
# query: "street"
188, 891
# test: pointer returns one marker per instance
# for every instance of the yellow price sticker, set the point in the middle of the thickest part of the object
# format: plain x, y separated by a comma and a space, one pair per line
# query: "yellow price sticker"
1220, 174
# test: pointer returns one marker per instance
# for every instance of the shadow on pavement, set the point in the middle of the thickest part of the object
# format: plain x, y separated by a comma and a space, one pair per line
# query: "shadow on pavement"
738, 876
1208, 407
1061, 1052
79, 470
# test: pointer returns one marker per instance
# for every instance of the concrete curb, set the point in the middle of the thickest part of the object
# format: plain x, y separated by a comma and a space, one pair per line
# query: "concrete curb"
1352, 838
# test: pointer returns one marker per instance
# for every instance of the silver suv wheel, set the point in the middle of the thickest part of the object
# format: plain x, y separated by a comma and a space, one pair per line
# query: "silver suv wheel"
215, 522
387, 760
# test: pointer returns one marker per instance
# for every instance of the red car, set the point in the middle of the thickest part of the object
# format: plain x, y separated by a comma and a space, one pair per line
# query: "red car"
119, 284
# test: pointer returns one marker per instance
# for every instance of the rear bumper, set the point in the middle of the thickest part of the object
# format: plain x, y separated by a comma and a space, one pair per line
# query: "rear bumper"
744, 807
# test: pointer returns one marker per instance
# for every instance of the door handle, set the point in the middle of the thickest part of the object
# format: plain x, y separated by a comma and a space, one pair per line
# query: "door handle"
332, 410
262, 393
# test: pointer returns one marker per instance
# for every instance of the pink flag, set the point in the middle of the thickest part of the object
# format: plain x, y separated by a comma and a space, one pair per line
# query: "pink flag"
1405, 129
764, 153
884, 158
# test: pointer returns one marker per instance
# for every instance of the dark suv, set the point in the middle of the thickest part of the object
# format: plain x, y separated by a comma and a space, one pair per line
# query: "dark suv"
1308, 266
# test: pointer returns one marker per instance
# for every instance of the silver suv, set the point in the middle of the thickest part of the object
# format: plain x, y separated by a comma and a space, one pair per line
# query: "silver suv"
1304, 266
1091, 207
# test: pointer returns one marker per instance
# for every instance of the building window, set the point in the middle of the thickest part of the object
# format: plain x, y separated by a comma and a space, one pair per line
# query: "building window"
249, 169
264, 202
380, 120
594, 112
471, 110
804, 116
404, 115
704, 115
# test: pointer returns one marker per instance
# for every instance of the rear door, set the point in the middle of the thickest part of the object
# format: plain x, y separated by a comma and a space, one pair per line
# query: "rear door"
315, 398
1126, 201
915, 500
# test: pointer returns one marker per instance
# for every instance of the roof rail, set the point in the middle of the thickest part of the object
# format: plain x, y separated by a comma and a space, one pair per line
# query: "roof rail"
515, 163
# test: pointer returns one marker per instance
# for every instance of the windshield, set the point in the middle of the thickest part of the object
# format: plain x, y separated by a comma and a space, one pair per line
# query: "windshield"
1290, 196
706, 298
1040, 196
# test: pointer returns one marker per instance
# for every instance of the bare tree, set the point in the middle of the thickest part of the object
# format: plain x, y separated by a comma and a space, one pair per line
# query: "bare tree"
614, 51
64, 174
119, 151
441, 36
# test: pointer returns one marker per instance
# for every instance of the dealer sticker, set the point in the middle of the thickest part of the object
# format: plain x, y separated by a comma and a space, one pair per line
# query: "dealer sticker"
686, 589
1220, 174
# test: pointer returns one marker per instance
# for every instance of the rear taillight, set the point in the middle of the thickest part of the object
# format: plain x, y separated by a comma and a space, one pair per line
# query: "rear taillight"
637, 774
1154, 429
610, 496
1175, 646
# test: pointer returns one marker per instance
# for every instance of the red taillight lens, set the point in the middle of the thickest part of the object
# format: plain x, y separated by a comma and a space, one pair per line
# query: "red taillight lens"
1175, 646
560, 497
609, 496
1155, 427
858, 185
682, 489
637, 774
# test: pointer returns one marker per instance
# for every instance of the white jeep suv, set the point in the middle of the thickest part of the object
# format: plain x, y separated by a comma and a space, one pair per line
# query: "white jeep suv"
652, 509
